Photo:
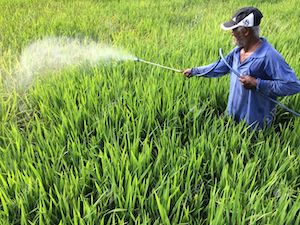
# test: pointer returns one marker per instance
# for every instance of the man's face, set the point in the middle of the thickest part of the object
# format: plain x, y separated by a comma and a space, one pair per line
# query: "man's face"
239, 37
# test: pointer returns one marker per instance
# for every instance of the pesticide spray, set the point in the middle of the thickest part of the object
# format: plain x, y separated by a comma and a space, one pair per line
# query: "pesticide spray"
56, 53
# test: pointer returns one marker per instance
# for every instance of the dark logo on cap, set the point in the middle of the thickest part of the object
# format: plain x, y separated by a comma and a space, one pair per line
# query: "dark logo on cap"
246, 22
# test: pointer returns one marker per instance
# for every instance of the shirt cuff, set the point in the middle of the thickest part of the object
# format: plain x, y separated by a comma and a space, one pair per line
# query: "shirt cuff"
262, 86
192, 72
258, 83
198, 71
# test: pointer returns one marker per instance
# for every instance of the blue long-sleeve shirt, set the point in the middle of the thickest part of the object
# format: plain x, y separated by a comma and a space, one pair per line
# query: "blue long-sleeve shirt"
273, 75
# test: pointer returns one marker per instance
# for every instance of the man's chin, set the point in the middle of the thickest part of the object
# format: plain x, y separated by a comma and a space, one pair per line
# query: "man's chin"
237, 44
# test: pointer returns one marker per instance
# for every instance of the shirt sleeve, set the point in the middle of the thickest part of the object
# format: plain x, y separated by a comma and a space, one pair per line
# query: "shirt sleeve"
283, 80
215, 69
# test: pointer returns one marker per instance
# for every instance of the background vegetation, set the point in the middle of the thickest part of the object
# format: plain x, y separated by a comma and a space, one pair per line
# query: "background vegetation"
128, 143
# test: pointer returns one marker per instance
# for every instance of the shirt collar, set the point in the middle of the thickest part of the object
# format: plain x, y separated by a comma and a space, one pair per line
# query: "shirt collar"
261, 51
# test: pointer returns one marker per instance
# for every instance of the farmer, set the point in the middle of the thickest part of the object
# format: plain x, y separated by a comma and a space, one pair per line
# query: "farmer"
260, 67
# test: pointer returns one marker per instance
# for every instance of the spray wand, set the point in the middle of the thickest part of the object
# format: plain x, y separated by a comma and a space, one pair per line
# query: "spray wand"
158, 65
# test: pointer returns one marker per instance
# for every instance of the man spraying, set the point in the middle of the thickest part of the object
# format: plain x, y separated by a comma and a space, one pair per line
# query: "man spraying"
259, 66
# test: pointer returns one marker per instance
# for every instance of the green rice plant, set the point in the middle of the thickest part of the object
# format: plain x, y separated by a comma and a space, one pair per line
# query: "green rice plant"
127, 143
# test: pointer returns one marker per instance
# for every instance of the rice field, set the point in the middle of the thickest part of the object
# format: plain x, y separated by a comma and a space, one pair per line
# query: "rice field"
128, 143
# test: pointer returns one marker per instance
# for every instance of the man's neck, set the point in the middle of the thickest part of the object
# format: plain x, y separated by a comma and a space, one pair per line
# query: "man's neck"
252, 45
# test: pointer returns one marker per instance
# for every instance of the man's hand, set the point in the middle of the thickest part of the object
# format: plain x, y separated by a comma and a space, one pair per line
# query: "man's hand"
187, 73
248, 81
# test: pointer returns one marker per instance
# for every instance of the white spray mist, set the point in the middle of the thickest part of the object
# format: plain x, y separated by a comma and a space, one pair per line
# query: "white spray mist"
55, 53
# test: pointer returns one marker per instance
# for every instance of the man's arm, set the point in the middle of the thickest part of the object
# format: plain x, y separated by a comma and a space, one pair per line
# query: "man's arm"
215, 69
283, 79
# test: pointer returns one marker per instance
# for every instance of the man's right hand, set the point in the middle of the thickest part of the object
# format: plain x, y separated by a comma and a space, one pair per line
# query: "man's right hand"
187, 73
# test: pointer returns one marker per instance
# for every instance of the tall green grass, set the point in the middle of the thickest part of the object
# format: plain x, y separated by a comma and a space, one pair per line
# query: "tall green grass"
128, 143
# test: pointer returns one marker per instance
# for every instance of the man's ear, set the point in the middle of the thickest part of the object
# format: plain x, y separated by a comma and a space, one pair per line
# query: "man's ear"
246, 31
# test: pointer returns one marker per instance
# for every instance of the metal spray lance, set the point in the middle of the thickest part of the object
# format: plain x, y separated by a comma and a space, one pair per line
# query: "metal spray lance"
158, 65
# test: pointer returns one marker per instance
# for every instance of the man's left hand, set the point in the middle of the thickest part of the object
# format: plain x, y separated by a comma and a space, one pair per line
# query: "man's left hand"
248, 81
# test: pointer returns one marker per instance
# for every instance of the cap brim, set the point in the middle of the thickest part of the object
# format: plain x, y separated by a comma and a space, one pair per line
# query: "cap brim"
230, 25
